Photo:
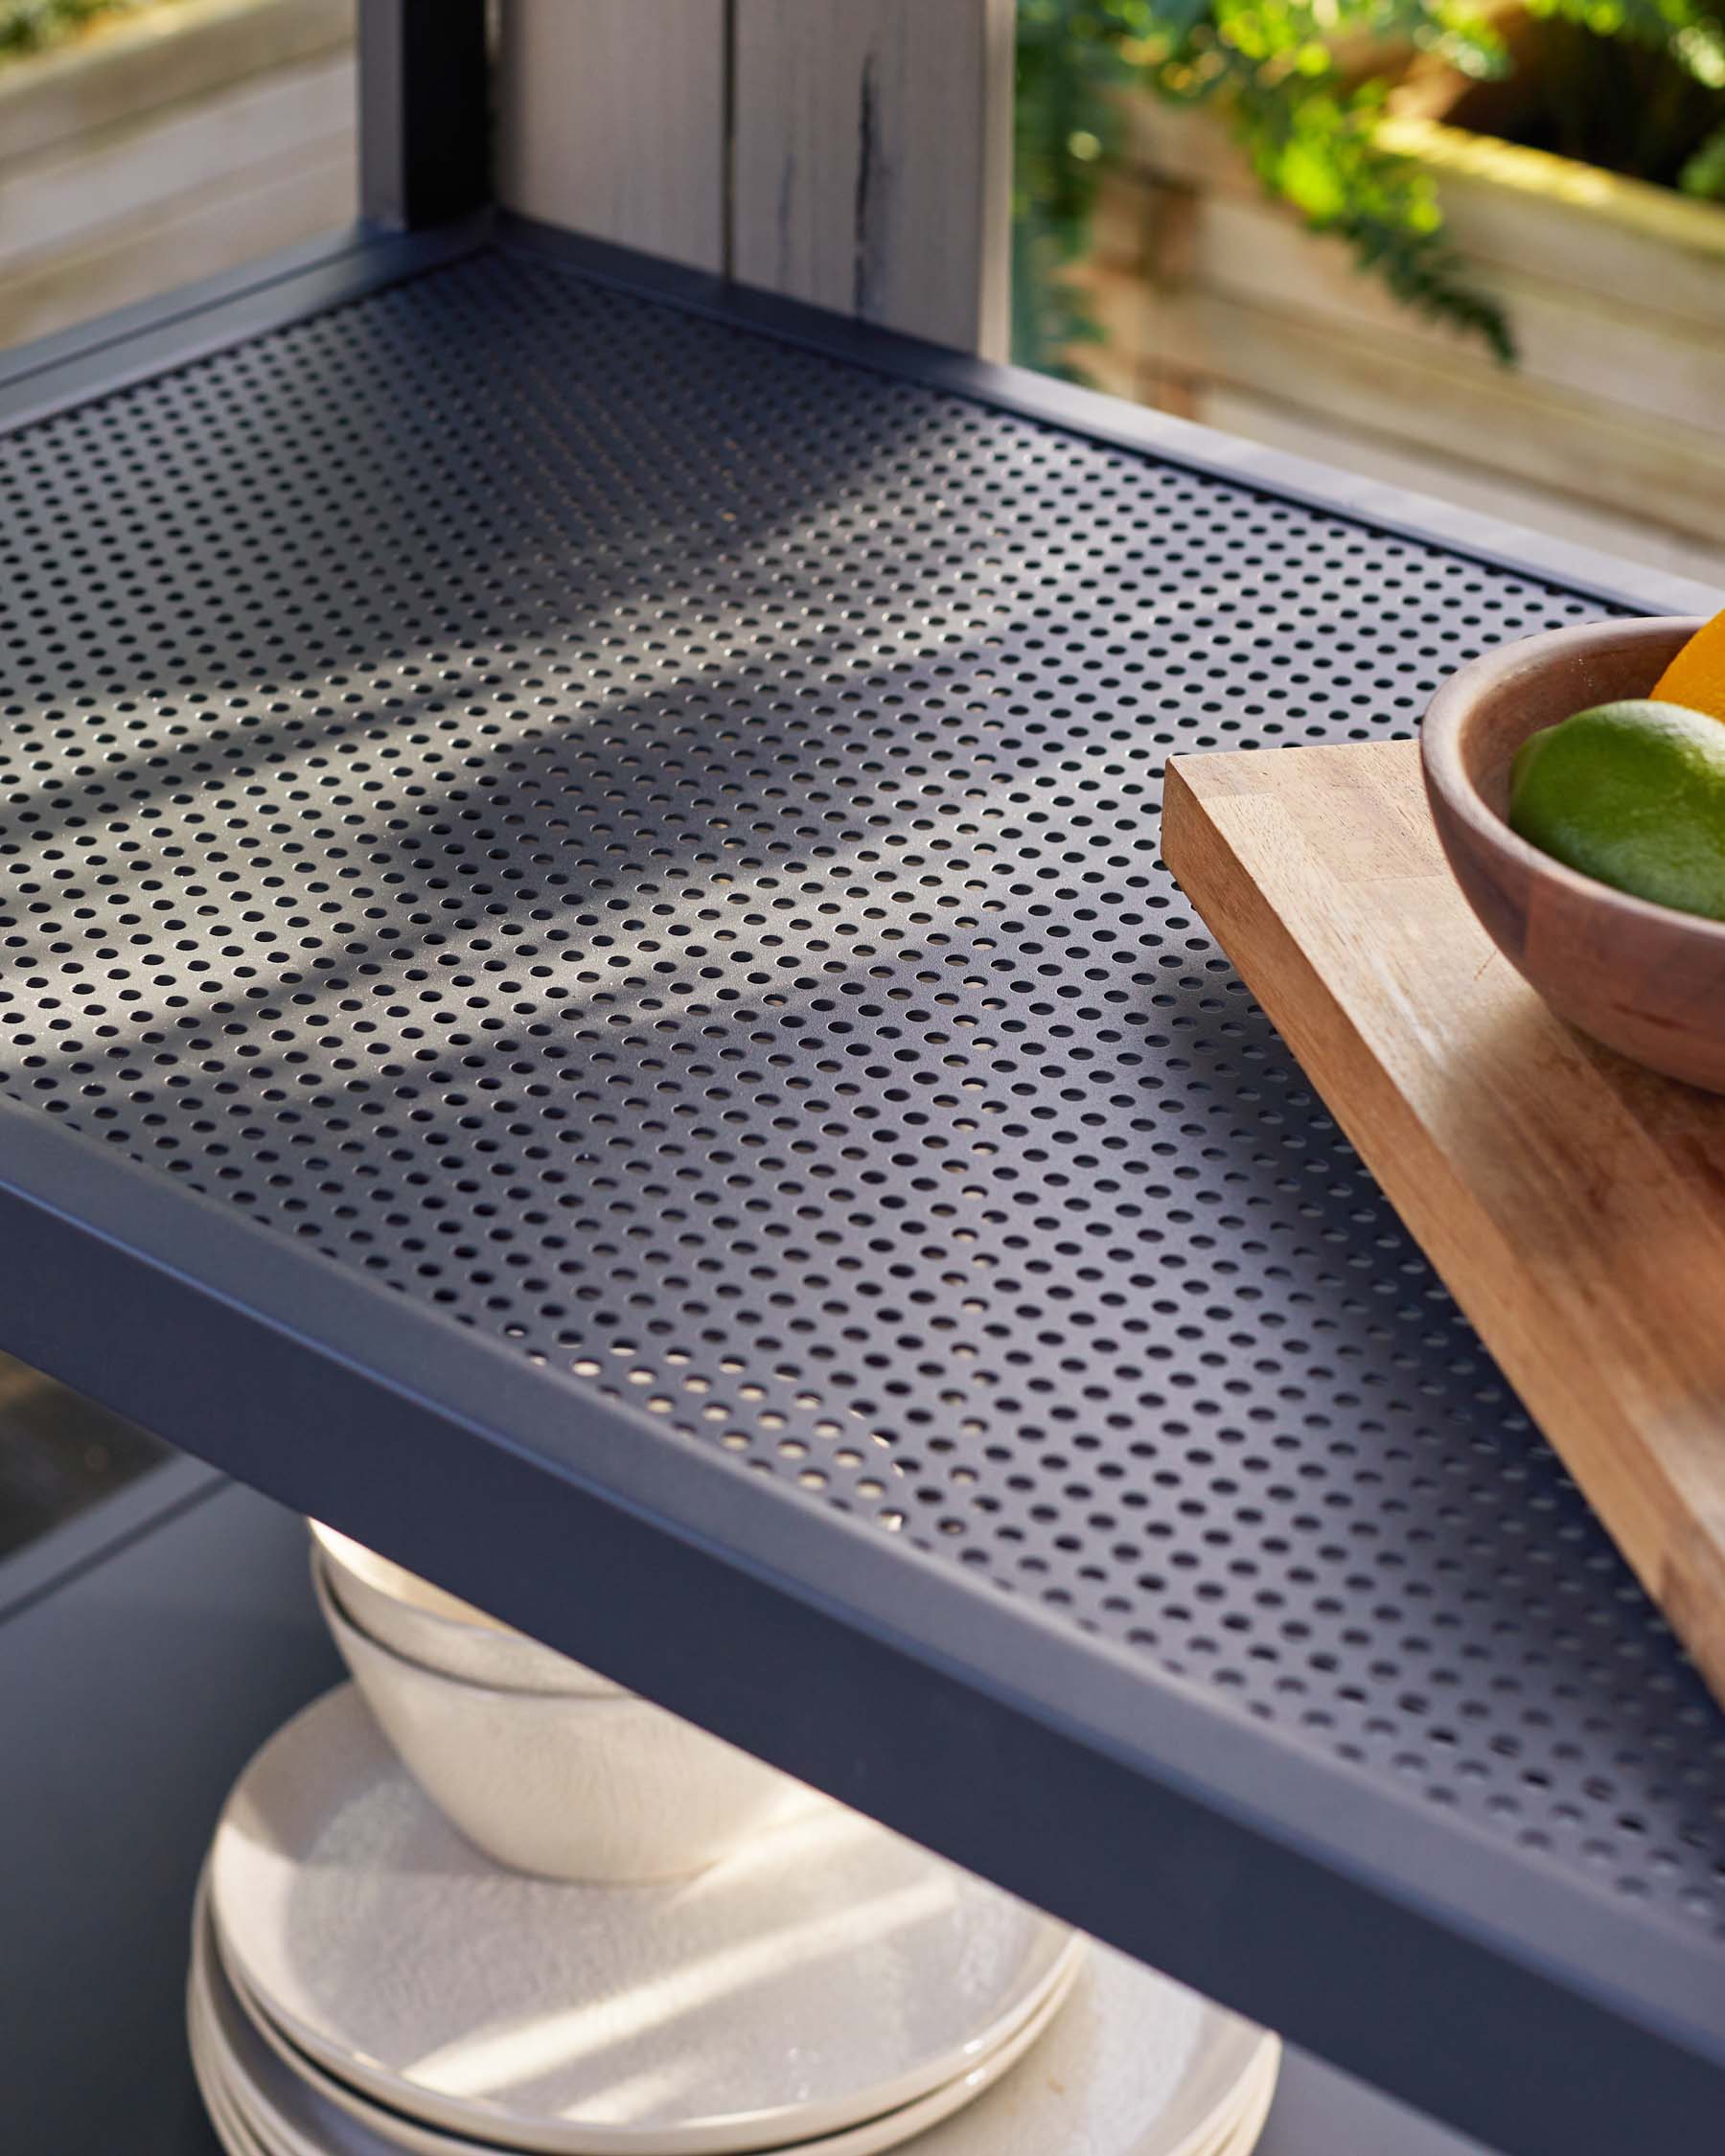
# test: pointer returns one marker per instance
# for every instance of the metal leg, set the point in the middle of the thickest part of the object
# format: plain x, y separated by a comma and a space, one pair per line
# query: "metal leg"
424, 137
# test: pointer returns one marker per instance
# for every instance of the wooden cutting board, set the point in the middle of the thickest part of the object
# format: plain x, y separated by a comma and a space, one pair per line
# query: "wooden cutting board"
1574, 1204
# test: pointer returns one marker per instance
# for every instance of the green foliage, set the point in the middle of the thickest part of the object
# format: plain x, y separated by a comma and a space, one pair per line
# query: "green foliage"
1269, 70
26, 26
1704, 174
1064, 129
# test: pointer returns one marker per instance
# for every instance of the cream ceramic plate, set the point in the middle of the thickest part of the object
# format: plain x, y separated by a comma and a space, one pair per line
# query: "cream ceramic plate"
390, 2129
1255, 2115
1136, 2066
209, 2068
293, 2108
1132, 2066
827, 1973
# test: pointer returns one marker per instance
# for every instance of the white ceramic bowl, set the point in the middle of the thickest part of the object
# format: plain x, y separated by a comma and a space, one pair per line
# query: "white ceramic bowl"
430, 1626
565, 1786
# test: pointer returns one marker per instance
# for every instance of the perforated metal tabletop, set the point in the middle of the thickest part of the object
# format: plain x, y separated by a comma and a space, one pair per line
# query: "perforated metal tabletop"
586, 988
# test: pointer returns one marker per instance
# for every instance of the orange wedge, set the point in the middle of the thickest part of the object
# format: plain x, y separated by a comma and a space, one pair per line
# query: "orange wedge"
1696, 675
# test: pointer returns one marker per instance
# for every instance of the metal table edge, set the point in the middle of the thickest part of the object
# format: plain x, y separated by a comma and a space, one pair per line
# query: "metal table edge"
152, 336
56, 348
136, 343
1490, 540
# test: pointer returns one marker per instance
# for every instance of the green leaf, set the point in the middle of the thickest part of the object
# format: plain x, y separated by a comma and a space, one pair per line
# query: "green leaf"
1703, 174
1310, 180
1267, 67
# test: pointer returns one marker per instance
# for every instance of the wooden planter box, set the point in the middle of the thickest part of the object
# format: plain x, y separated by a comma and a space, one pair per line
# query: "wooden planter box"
168, 145
1219, 305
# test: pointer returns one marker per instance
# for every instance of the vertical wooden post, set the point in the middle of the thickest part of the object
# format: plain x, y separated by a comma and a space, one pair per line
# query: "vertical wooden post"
855, 153
872, 160
612, 121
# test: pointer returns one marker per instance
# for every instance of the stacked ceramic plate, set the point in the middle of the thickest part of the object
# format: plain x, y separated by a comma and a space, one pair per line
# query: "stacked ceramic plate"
367, 1978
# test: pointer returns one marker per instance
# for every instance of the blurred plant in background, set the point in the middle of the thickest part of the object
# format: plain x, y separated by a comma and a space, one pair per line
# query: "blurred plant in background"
1636, 86
26, 26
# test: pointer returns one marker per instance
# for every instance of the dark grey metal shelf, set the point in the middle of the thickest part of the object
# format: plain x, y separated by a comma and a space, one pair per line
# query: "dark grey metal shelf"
161, 1644
587, 990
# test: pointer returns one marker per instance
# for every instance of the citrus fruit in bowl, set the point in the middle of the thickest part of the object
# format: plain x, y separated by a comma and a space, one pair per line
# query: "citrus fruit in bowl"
1696, 677
1643, 976
1632, 793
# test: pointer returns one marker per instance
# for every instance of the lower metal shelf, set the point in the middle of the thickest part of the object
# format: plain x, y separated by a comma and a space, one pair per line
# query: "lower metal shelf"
145, 1673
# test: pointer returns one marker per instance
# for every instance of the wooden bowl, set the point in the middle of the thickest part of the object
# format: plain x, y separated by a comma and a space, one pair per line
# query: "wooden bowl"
1644, 978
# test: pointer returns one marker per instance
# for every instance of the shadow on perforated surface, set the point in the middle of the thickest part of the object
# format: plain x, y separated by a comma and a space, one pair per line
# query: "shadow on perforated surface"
645, 840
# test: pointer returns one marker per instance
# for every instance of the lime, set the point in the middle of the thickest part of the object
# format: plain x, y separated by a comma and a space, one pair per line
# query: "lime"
1633, 795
